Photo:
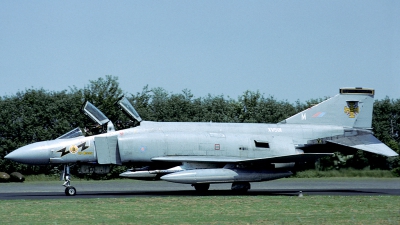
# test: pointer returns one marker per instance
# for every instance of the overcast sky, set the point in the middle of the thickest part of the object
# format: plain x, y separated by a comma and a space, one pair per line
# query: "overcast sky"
289, 49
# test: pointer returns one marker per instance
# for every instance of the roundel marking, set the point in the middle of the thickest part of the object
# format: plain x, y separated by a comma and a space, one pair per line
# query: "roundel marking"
73, 149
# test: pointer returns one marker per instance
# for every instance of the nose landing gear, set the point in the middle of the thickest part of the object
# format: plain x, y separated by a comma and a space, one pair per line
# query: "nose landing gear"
69, 190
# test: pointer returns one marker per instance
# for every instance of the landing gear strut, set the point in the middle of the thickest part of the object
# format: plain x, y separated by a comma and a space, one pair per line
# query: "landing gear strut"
69, 190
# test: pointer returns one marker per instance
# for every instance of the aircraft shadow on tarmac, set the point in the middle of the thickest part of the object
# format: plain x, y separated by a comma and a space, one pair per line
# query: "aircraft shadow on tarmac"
235, 193
188, 193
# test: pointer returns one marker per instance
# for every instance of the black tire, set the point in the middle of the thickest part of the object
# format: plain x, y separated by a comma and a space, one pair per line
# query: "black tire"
201, 187
70, 191
241, 187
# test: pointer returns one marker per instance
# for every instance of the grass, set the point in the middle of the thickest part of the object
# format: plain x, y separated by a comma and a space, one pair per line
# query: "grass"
206, 210
41, 177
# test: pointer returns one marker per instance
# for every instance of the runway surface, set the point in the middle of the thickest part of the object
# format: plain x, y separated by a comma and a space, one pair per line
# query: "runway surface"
131, 188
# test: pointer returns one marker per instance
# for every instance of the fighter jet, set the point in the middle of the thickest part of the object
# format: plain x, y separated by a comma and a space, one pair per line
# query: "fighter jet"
203, 153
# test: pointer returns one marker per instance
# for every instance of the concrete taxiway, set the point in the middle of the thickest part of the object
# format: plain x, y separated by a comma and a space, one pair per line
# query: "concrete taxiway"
133, 188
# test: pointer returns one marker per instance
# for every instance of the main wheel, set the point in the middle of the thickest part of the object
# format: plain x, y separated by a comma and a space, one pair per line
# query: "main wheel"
70, 191
240, 186
201, 187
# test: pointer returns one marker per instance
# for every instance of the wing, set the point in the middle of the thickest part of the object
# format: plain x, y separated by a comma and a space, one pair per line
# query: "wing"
217, 159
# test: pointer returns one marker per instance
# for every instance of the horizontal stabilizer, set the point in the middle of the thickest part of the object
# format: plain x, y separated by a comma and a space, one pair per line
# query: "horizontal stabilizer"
366, 142
212, 159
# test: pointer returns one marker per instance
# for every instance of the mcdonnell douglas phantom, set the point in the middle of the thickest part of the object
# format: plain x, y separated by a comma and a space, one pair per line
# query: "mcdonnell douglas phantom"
204, 153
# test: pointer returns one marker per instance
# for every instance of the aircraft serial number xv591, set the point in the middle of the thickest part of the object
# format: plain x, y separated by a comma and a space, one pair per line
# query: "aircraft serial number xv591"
204, 153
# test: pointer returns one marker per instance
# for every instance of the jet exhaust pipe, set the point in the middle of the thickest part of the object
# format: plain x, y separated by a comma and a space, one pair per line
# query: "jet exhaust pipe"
224, 176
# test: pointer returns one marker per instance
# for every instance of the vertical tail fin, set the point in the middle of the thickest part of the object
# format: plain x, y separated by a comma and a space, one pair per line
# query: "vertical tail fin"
352, 107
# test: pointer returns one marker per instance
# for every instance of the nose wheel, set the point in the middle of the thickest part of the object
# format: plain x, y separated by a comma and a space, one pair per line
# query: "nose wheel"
69, 190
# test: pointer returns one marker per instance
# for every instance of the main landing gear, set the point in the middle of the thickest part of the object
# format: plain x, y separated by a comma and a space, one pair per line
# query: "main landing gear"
240, 187
201, 187
69, 190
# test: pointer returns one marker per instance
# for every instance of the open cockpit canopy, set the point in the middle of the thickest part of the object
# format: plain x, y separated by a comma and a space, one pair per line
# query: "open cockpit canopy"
128, 109
94, 113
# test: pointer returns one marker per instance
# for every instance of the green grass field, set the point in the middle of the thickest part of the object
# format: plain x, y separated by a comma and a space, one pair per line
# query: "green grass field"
206, 210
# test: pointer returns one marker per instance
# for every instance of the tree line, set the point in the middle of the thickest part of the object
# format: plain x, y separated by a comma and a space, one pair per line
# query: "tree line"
36, 115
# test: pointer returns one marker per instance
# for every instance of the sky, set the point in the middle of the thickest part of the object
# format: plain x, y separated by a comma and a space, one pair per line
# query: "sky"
292, 50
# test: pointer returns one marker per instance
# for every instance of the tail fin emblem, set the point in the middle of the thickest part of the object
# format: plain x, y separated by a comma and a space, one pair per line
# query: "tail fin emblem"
351, 109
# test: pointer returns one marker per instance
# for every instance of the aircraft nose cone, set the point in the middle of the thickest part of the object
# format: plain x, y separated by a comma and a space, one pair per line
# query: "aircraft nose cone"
36, 153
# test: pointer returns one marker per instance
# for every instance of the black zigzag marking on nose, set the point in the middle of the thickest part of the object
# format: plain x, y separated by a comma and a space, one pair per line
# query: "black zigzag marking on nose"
83, 145
63, 151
